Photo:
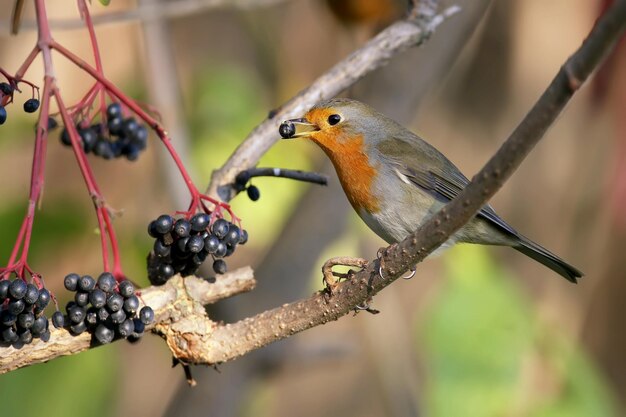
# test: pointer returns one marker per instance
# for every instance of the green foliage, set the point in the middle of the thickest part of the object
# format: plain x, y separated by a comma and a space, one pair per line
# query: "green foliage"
80, 385
488, 355
54, 221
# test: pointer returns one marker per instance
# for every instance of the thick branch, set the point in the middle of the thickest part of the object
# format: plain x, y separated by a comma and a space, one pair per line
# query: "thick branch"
412, 31
178, 298
230, 341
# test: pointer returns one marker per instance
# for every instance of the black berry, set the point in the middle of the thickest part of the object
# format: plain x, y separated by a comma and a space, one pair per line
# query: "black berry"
32, 294
81, 298
71, 282
126, 328
233, 236
287, 129
25, 337
6, 89
43, 300
58, 320
131, 304
126, 288
106, 282
219, 266
86, 283
244, 237
103, 334
221, 250
160, 249
98, 298
118, 317
76, 314
4, 289
26, 320
17, 289
31, 105
39, 326
7, 318
114, 110
164, 224
146, 315
10, 335
195, 244
78, 328
16, 306
210, 244
253, 192
182, 228
220, 228
115, 302
199, 222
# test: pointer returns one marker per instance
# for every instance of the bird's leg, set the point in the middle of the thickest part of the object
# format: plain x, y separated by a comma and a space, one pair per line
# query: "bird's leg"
329, 275
380, 254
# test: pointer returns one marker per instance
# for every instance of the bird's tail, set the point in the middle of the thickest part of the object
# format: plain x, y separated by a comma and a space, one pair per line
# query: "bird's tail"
547, 258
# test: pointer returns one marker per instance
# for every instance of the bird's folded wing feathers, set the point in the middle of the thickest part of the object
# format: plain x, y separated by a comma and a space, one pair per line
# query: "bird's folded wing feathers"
444, 181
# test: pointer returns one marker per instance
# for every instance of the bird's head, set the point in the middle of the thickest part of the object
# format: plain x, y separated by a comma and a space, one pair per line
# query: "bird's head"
336, 124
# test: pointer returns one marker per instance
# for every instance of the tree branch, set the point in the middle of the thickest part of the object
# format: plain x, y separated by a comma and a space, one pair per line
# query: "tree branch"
231, 341
245, 176
412, 31
177, 298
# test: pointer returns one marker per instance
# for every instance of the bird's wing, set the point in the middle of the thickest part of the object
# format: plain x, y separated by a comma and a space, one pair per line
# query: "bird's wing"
429, 169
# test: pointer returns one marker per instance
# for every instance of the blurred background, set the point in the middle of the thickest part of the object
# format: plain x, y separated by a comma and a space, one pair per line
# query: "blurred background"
477, 332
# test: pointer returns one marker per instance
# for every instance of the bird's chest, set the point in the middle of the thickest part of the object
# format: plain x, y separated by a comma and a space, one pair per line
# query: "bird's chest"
356, 172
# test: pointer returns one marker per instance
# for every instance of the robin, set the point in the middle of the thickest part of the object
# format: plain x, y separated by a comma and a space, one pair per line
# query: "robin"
395, 180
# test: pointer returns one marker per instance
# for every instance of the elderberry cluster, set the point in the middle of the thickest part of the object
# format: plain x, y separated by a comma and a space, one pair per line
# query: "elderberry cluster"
21, 315
6, 90
104, 308
182, 245
127, 137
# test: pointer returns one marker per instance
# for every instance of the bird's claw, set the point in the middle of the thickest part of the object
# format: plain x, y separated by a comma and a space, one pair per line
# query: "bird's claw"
328, 274
412, 274
365, 307
381, 264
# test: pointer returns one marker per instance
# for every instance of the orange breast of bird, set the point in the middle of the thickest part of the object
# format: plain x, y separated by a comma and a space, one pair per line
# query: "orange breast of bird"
348, 155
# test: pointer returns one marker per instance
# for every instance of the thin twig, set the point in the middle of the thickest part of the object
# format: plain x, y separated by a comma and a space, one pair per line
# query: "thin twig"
313, 177
155, 10
374, 54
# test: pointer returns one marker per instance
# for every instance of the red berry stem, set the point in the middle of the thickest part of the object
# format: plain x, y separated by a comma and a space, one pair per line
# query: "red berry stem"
84, 113
196, 196
84, 11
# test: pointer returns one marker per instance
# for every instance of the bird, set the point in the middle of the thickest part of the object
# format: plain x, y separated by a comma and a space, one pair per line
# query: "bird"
395, 180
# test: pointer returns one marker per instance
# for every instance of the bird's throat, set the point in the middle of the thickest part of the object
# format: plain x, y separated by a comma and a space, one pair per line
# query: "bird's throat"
354, 169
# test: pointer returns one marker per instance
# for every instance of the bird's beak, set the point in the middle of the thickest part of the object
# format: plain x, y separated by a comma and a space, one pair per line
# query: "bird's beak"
296, 128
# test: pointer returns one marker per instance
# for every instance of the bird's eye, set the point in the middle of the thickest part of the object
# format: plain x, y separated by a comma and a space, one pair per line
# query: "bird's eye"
333, 119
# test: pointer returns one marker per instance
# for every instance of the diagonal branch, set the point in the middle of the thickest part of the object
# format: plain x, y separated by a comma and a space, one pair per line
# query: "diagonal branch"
231, 341
412, 31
